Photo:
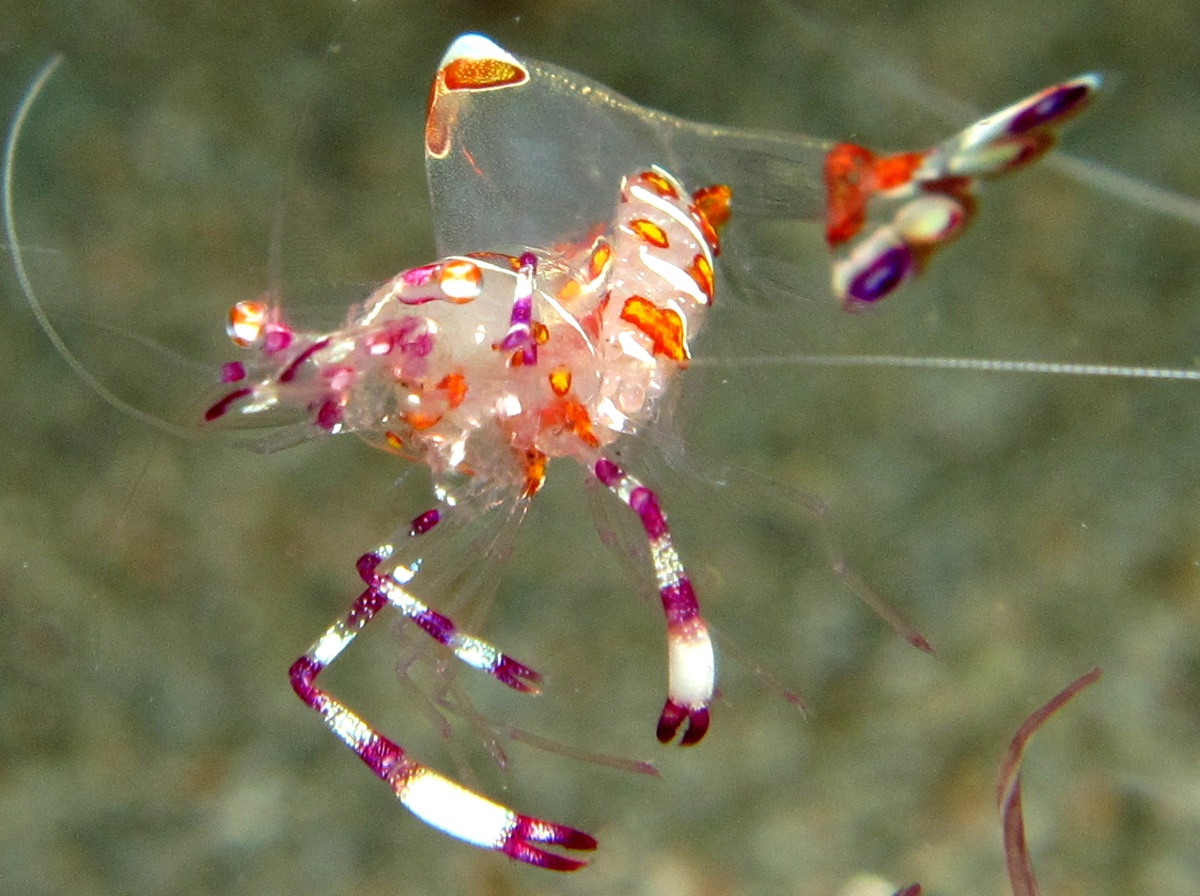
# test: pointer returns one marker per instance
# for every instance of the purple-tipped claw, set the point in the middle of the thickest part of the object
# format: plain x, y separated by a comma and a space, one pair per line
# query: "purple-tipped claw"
517, 675
673, 716
519, 844
1054, 105
879, 277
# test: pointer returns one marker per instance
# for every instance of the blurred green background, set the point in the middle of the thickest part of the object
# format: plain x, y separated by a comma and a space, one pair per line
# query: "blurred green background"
154, 590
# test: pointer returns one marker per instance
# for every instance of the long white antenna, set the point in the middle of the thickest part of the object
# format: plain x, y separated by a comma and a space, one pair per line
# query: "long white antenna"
14, 250
983, 365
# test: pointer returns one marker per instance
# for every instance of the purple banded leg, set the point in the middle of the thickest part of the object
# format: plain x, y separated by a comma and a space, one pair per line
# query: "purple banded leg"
475, 652
691, 667
433, 798
519, 337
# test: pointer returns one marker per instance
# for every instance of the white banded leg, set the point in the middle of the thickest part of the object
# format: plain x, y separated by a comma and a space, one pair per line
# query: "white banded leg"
433, 798
690, 662
473, 651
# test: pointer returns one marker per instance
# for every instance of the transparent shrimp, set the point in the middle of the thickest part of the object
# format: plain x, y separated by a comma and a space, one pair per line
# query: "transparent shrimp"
916, 466
487, 365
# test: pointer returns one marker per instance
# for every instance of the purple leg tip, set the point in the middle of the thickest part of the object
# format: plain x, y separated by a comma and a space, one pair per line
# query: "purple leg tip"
672, 718
531, 830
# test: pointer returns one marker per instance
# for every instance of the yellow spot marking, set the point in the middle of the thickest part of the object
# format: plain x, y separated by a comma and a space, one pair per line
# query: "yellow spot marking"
420, 420
664, 326
482, 74
659, 184
560, 381
649, 232
598, 263
535, 472
571, 290
701, 271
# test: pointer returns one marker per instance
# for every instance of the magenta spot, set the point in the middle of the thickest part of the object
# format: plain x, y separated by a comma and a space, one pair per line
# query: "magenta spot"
276, 339
528, 260
426, 521
1056, 103
233, 372
365, 607
289, 372
219, 409
383, 757
422, 345
303, 674
645, 505
418, 300
882, 276
329, 414
411, 335
339, 376
679, 603
366, 566
607, 472
437, 626
420, 276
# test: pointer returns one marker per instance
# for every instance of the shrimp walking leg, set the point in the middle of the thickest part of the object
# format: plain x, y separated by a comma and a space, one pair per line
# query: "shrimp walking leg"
691, 667
435, 799
473, 651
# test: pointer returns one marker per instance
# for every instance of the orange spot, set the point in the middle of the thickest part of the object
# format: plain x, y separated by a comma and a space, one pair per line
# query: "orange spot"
482, 74
713, 203
540, 332
246, 322
649, 232
499, 259
394, 441
461, 281
580, 423
847, 186
420, 420
852, 174
570, 291
599, 261
710, 212
535, 472
664, 326
895, 171
569, 415
701, 271
455, 386
659, 184
560, 381
440, 117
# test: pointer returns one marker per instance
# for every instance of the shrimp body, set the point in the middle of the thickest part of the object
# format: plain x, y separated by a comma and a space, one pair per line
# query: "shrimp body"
485, 366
